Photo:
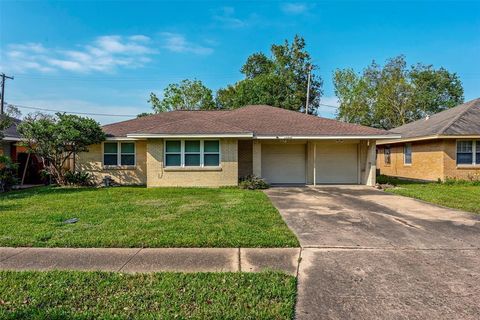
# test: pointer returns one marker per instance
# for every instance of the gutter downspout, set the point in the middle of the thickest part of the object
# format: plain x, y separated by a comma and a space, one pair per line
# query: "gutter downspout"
314, 164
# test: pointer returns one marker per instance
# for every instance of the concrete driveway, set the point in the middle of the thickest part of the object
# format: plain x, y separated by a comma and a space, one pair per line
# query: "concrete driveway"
369, 254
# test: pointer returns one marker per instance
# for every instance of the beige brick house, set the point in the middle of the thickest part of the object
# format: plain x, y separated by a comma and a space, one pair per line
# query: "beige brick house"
445, 145
216, 148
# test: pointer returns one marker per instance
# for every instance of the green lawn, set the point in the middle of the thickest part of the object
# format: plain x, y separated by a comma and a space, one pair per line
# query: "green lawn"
464, 197
99, 295
141, 217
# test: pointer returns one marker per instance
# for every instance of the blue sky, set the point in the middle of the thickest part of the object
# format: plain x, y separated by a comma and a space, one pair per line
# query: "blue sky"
106, 57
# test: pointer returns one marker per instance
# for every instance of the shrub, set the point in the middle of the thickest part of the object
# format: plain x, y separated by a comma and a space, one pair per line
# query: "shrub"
253, 182
8, 171
78, 178
383, 179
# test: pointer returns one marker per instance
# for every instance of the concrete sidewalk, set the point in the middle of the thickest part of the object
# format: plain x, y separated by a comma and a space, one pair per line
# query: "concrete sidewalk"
151, 260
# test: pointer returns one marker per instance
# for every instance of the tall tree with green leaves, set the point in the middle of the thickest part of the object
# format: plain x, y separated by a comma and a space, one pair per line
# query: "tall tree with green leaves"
279, 80
392, 95
56, 138
185, 95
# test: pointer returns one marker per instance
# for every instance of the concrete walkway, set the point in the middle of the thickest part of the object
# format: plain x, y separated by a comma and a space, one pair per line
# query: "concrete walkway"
151, 260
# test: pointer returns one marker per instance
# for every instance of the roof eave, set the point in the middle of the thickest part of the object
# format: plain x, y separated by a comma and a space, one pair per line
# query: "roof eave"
327, 137
190, 135
430, 137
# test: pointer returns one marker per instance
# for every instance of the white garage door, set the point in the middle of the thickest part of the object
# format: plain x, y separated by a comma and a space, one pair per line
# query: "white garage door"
283, 163
337, 163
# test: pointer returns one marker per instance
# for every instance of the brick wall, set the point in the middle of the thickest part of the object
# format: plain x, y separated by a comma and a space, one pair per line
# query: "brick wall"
431, 160
245, 158
92, 162
427, 161
450, 163
159, 176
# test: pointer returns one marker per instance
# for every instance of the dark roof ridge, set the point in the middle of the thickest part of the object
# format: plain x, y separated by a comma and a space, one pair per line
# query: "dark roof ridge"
470, 104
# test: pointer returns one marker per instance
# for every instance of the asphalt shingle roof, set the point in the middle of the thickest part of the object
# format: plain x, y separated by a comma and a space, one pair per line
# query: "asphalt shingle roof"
257, 119
460, 120
11, 131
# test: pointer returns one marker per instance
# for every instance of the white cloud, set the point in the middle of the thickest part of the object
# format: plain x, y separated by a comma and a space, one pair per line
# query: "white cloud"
226, 16
294, 8
178, 43
104, 53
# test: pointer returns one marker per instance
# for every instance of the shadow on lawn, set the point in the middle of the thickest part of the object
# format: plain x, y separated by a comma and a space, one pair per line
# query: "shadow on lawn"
48, 190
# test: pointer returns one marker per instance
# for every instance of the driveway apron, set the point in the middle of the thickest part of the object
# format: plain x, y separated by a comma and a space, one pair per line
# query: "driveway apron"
368, 254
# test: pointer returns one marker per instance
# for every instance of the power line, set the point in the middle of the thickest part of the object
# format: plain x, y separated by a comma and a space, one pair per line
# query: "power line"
74, 112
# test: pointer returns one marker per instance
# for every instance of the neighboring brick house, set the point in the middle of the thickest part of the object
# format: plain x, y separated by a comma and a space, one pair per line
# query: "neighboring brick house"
10, 147
216, 148
444, 145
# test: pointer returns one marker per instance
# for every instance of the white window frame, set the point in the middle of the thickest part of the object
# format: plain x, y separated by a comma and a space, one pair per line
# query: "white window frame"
405, 154
475, 161
119, 155
182, 153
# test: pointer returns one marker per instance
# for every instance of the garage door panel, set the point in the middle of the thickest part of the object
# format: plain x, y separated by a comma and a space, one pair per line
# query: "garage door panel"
337, 164
283, 163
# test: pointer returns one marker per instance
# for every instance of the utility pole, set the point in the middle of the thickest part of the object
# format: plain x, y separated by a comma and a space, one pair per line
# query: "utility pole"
4, 77
308, 89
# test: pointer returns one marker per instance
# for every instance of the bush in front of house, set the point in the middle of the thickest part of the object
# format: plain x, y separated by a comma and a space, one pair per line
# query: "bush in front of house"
79, 178
8, 177
383, 179
253, 182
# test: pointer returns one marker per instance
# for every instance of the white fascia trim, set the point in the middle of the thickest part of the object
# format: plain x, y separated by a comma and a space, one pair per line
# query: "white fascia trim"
374, 137
187, 136
432, 137
120, 139
11, 139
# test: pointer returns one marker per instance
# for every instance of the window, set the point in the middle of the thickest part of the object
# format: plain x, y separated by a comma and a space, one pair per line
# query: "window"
386, 154
468, 152
407, 153
119, 154
477, 154
192, 153
211, 153
173, 153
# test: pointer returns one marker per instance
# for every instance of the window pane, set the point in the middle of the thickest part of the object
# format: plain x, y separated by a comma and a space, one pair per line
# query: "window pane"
211, 160
464, 158
386, 153
192, 146
477, 161
173, 146
464, 146
110, 147
172, 160
192, 159
407, 152
211, 146
128, 148
110, 160
128, 159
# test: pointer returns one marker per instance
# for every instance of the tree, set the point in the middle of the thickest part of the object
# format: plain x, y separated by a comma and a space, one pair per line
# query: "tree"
393, 95
186, 95
279, 80
56, 138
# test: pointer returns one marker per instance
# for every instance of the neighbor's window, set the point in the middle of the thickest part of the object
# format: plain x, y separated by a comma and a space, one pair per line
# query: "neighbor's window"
192, 153
407, 153
477, 154
465, 153
119, 154
386, 154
